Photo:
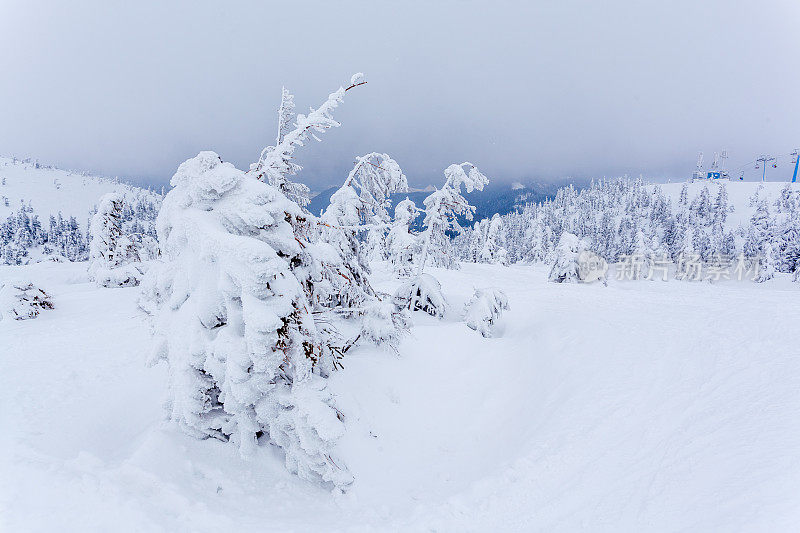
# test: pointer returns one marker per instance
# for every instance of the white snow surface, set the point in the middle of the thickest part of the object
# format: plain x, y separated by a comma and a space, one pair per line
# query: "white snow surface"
641, 406
52, 190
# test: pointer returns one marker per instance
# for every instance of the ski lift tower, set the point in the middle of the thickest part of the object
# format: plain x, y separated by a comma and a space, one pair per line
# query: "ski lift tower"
698, 173
717, 171
796, 155
764, 159
723, 174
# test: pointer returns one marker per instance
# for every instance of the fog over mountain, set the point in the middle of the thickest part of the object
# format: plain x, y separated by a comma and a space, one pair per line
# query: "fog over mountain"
524, 90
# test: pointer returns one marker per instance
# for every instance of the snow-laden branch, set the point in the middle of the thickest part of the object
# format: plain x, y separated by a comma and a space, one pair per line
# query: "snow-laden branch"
374, 178
275, 164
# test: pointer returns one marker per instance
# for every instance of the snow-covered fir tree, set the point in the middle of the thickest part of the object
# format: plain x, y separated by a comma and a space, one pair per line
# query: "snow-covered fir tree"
403, 247
442, 209
493, 249
269, 299
363, 201
766, 270
234, 323
565, 269
359, 206
113, 257
612, 213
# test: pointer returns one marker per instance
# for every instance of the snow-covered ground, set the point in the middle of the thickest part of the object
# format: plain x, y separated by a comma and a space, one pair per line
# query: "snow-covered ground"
52, 190
641, 406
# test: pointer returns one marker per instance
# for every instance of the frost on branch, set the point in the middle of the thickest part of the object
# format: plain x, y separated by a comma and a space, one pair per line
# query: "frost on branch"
357, 79
234, 323
285, 117
442, 209
22, 301
113, 256
403, 247
374, 177
276, 164
484, 309
422, 293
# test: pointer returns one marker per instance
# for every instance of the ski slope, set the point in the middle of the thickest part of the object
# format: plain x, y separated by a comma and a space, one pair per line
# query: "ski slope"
51, 190
641, 406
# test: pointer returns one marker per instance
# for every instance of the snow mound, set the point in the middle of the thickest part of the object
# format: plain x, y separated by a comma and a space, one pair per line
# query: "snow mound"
22, 301
422, 293
484, 309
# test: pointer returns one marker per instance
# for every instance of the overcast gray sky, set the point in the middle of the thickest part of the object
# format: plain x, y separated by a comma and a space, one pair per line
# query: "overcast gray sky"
522, 89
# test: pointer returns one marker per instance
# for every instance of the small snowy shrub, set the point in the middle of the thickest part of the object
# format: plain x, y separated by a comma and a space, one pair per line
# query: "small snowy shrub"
112, 255
484, 309
22, 301
422, 293
383, 325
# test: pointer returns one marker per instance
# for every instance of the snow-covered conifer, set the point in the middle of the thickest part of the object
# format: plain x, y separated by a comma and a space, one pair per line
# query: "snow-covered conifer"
565, 267
113, 257
789, 245
642, 257
493, 250
368, 187
285, 117
358, 205
721, 208
683, 200
403, 247
766, 270
535, 234
234, 323
687, 256
442, 207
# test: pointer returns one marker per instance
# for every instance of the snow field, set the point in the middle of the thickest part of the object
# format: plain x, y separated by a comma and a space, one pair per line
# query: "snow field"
656, 406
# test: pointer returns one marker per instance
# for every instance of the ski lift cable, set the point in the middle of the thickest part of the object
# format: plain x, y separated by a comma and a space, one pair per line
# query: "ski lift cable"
755, 161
